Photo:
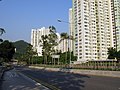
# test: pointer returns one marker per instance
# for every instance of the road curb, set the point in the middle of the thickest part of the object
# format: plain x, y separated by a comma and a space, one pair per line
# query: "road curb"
87, 72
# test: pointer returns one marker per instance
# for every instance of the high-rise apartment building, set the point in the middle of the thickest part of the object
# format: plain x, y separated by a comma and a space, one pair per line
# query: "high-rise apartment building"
116, 20
113, 24
36, 37
63, 45
93, 29
71, 30
37, 45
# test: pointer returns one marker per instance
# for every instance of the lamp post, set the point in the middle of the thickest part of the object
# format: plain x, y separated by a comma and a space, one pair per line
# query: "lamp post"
69, 43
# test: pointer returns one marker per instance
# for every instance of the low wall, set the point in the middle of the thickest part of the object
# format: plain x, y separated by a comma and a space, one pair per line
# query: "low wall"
78, 71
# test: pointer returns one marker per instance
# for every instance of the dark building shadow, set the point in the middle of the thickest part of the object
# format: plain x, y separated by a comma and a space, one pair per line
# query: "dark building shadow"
62, 80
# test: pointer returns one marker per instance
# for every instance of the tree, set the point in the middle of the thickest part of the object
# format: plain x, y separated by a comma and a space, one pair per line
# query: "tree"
29, 54
63, 56
7, 50
52, 39
112, 53
118, 55
48, 42
66, 37
44, 44
1, 32
1, 40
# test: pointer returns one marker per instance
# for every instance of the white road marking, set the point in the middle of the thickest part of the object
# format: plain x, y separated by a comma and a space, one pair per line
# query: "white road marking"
38, 84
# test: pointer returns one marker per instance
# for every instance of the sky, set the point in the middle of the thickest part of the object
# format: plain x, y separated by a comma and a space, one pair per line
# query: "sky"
18, 17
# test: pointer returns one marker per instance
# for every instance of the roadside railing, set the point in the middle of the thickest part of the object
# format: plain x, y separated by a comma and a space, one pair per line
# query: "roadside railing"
113, 66
99, 65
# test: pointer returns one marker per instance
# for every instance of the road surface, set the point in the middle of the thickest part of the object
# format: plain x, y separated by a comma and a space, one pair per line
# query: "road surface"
68, 81
13, 80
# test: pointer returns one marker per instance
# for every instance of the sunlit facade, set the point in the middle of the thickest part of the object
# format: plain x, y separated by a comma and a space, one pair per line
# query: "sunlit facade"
93, 29
36, 37
37, 45
116, 13
71, 30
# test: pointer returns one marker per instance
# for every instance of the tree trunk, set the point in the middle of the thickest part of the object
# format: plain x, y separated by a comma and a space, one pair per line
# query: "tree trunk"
46, 59
66, 52
52, 61
32, 60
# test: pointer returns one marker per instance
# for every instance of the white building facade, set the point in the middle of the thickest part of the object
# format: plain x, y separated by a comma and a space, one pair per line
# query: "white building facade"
36, 37
116, 20
71, 30
37, 45
93, 29
64, 46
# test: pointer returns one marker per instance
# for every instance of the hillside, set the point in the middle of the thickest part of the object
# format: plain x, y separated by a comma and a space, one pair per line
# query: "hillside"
20, 46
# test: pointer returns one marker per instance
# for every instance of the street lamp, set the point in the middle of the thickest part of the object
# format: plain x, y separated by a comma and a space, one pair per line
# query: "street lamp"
59, 20
63, 21
69, 43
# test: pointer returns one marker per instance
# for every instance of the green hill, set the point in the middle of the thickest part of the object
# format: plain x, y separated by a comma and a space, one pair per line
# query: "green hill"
20, 48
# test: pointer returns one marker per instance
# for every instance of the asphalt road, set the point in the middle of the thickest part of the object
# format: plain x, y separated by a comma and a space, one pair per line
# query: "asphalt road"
68, 81
13, 80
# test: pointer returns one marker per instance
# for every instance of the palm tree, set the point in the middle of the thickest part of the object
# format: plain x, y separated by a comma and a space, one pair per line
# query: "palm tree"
66, 37
53, 38
52, 29
1, 32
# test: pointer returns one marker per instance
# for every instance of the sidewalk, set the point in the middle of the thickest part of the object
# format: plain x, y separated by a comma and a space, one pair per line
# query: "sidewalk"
13, 80
79, 71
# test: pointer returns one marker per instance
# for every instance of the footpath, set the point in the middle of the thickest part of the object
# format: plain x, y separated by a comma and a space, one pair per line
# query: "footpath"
13, 80
79, 71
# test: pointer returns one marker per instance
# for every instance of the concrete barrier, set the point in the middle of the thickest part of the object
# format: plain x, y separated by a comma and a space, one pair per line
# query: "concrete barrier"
78, 71
98, 72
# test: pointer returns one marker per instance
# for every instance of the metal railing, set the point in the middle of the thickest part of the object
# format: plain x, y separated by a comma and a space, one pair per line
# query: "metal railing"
114, 65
